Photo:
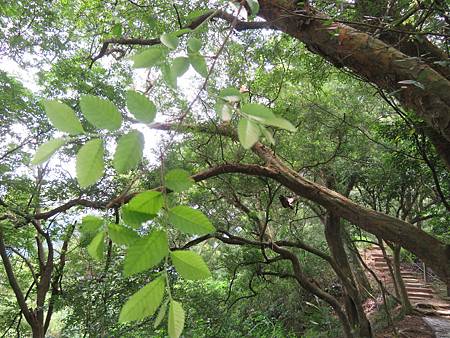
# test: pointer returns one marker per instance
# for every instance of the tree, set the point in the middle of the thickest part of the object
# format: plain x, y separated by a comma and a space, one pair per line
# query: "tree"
404, 61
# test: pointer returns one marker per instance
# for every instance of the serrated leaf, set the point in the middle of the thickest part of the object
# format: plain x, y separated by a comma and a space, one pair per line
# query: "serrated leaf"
254, 6
149, 57
122, 235
199, 64
248, 133
145, 253
224, 111
267, 135
190, 221
135, 218
178, 180
128, 152
169, 40
190, 265
230, 94
194, 45
143, 303
142, 207
176, 319
180, 65
91, 223
47, 149
63, 117
97, 245
89, 163
140, 106
280, 123
101, 113
161, 314
257, 111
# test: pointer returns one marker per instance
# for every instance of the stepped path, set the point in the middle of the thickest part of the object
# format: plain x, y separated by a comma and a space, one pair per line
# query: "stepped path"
421, 294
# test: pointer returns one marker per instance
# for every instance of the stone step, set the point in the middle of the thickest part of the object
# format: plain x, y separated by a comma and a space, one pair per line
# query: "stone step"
419, 295
414, 285
411, 280
445, 313
418, 289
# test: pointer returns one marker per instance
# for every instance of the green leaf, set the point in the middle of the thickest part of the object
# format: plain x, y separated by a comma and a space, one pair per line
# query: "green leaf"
122, 235
116, 30
135, 218
63, 117
224, 110
170, 40
257, 111
194, 45
230, 94
143, 303
146, 253
47, 149
180, 66
178, 180
101, 113
89, 164
147, 202
176, 319
161, 314
199, 64
190, 265
141, 107
169, 76
254, 6
190, 221
267, 135
149, 57
280, 123
128, 152
95, 249
248, 133
91, 223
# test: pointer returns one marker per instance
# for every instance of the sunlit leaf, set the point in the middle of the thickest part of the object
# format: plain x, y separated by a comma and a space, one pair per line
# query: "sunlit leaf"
224, 110
254, 6
178, 180
280, 123
248, 133
122, 235
149, 57
91, 223
47, 149
161, 314
96, 247
63, 117
267, 135
101, 113
190, 265
143, 303
176, 319
257, 111
129, 151
169, 40
230, 94
145, 253
190, 221
140, 106
90, 164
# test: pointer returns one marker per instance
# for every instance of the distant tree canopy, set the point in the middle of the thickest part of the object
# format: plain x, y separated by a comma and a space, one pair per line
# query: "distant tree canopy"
169, 161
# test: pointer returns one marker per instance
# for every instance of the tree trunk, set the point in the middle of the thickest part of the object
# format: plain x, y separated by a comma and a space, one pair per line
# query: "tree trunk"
353, 300
406, 304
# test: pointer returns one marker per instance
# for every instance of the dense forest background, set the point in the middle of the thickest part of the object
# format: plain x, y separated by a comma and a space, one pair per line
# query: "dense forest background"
216, 168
